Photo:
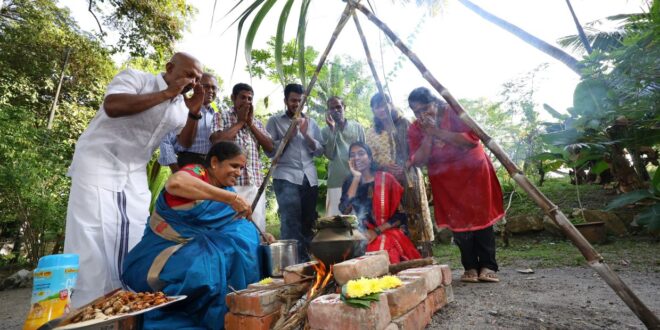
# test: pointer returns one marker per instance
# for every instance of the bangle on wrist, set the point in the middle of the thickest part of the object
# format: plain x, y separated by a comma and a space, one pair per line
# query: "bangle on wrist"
234, 200
194, 117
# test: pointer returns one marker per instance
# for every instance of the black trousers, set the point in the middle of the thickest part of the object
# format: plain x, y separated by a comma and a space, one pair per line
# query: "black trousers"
185, 158
477, 248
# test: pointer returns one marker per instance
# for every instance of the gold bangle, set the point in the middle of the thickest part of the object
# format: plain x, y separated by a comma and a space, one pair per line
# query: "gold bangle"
234, 200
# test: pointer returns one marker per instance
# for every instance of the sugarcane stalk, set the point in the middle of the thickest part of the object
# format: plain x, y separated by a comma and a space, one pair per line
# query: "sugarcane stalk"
593, 258
291, 131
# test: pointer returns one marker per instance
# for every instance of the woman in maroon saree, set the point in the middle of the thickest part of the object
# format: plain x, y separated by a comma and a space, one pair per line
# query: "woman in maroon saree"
375, 197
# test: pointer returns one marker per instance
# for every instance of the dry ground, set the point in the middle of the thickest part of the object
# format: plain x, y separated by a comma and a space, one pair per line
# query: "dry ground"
551, 298
568, 297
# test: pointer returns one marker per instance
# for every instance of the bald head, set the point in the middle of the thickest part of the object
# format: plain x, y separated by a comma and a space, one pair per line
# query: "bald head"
183, 66
182, 58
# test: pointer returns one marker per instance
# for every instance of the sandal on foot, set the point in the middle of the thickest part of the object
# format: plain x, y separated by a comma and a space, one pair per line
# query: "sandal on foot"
488, 275
470, 276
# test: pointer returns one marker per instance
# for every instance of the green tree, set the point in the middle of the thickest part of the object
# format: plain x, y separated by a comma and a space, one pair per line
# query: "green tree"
342, 76
34, 36
144, 27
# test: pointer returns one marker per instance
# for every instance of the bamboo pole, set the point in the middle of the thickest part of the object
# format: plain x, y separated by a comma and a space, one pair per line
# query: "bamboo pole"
590, 254
291, 131
367, 53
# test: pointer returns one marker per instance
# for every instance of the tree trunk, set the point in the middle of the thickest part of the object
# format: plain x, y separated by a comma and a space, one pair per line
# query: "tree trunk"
528, 38
18, 244
578, 26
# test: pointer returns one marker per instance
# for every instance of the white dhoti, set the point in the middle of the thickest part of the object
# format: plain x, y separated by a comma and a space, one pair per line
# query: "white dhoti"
332, 202
259, 215
102, 225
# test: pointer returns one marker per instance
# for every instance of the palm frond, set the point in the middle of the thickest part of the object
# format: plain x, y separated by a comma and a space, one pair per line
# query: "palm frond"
254, 27
602, 40
300, 39
279, 39
241, 20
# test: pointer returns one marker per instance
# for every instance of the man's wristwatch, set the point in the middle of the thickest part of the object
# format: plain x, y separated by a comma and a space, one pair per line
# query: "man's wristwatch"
377, 231
194, 117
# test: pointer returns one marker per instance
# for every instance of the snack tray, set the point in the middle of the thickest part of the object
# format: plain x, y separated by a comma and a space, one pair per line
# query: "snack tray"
110, 319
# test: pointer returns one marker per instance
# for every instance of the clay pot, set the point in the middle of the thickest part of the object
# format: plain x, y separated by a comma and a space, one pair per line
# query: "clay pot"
337, 239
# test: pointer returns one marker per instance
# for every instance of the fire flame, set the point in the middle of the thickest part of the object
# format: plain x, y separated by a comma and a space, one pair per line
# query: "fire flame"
323, 276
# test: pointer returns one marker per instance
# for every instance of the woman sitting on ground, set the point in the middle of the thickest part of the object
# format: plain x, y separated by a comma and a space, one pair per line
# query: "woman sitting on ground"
374, 197
198, 243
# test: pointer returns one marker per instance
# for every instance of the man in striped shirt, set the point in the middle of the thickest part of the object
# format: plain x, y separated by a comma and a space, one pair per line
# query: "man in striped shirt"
239, 125
173, 153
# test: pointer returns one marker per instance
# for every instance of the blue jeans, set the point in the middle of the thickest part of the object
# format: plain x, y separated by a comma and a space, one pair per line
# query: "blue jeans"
297, 211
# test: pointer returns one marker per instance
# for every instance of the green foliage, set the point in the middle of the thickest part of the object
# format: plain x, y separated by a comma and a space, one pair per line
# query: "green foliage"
35, 36
650, 217
615, 106
145, 27
343, 77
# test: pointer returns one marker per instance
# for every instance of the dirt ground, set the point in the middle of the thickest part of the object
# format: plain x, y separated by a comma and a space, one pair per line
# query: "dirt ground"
551, 298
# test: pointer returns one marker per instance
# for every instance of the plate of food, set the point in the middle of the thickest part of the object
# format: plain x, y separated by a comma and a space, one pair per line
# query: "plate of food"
115, 306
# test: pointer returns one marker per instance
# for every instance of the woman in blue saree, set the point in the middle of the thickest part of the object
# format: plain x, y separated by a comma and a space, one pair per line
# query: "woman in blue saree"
198, 243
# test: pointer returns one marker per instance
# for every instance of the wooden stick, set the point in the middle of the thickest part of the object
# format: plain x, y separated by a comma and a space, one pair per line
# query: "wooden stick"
291, 131
590, 254
411, 264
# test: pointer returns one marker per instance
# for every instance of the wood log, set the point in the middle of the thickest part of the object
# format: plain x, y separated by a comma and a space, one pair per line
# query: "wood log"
411, 264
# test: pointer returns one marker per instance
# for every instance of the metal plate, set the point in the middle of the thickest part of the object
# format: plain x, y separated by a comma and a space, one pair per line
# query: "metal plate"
109, 321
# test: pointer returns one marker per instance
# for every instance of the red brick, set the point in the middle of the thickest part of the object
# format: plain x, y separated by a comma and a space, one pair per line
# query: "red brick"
432, 275
243, 322
446, 274
294, 273
435, 300
329, 312
255, 303
449, 291
416, 319
276, 281
406, 297
366, 266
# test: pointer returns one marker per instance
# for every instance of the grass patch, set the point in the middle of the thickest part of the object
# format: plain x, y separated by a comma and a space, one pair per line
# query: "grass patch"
562, 193
634, 253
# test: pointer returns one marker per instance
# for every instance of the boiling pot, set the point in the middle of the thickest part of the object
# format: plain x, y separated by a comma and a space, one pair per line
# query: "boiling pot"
337, 239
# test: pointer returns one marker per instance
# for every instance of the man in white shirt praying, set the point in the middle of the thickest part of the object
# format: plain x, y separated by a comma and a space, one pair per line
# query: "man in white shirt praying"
109, 199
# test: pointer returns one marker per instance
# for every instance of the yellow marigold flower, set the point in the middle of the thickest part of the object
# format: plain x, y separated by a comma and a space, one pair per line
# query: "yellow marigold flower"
374, 285
266, 280
389, 281
356, 288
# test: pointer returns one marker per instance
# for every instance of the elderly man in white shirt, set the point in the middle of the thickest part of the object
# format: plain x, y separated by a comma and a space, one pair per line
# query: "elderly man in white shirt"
109, 199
